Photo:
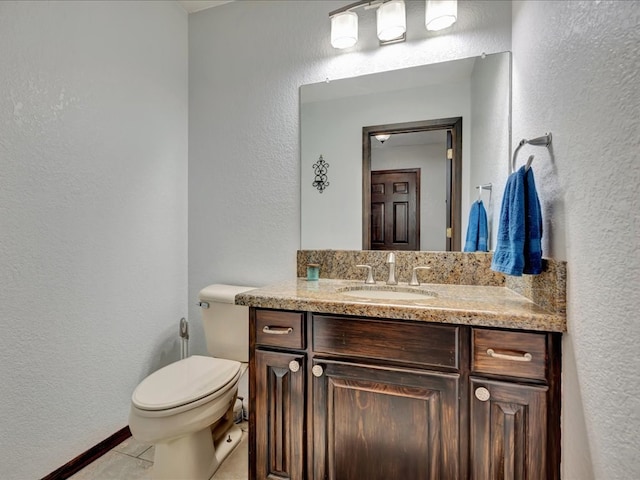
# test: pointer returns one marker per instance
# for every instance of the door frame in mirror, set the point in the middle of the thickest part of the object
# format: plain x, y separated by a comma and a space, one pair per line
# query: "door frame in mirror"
454, 199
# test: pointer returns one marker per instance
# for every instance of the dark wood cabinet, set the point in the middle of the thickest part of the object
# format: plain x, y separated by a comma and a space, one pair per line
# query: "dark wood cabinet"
382, 423
514, 405
278, 395
508, 431
278, 422
348, 398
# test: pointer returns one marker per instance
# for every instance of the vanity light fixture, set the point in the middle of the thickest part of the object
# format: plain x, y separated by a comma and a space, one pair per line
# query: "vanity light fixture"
440, 14
390, 19
382, 137
344, 30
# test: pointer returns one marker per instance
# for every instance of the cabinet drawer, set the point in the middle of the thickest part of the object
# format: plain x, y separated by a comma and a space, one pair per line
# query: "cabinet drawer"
279, 329
405, 342
515, 354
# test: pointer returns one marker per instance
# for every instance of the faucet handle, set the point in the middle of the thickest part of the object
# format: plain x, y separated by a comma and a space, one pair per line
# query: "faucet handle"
369, 279
414, 277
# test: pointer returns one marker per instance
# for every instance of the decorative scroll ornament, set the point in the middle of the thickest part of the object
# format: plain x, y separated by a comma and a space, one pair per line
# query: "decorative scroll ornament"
320, 169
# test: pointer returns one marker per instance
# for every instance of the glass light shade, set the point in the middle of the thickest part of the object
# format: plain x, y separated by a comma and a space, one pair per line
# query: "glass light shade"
391, 20
344, 30
440, 14
383, 137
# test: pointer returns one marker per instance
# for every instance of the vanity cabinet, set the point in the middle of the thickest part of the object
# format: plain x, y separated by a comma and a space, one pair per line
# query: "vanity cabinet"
347, 398
278, 395
515, 405
385, 399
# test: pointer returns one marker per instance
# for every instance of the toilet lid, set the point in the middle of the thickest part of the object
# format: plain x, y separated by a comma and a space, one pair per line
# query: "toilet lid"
184, 382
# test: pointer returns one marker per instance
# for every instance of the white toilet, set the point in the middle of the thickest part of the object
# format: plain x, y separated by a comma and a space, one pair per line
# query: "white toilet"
186, 408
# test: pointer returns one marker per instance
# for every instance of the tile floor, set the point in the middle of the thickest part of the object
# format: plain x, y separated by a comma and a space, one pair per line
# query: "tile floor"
133, 461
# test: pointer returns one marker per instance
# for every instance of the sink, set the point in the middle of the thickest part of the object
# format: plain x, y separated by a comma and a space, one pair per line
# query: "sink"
386, 292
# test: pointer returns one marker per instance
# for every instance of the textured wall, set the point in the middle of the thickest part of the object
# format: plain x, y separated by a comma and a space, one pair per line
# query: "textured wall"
577, 74
93, 207
247, 61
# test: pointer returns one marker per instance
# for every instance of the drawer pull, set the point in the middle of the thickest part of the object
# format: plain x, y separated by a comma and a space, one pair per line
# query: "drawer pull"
515, 358
294, 366
317, 371
277, 330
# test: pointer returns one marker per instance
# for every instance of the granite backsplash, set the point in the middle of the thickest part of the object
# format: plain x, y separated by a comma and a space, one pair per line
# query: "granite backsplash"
547, 290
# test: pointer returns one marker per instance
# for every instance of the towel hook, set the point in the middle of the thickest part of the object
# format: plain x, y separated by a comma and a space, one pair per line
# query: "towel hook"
543, 141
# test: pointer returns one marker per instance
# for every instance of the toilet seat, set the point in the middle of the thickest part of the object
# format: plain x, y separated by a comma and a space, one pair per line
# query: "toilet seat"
190, 381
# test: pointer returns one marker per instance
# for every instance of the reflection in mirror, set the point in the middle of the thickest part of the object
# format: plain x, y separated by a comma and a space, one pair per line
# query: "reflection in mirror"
405, 180
334, 114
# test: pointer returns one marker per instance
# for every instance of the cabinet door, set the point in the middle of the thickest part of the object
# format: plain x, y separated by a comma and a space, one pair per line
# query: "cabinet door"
508, 431
378, 424
279, 410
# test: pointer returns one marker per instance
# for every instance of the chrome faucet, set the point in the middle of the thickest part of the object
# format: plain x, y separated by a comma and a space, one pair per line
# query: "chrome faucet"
391, 260
369, 280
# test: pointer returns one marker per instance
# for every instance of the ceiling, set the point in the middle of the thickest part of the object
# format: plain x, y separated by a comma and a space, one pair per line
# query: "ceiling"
192, 6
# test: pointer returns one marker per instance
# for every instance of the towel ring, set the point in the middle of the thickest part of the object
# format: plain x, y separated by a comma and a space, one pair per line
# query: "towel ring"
528, 164
543, 141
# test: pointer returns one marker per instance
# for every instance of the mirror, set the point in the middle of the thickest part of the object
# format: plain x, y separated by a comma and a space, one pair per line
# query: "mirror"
334, 114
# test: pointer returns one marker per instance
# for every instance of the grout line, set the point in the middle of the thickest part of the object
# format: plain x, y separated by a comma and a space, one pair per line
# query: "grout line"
131, 456
145, 451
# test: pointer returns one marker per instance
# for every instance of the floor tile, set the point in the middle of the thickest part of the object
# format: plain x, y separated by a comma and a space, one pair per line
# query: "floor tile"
236, 465
132, 460
132, 447
148, 454
115, 466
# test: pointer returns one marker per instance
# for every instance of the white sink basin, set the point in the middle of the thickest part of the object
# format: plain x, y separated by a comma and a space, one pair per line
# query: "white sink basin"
386, 293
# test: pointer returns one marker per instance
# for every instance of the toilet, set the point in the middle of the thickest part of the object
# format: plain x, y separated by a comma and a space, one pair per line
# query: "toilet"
186, 408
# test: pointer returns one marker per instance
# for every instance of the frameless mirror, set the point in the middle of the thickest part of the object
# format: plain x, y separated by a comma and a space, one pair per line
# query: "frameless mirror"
339, 120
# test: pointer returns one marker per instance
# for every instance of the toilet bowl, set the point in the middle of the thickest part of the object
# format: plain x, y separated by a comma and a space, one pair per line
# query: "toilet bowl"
186, 408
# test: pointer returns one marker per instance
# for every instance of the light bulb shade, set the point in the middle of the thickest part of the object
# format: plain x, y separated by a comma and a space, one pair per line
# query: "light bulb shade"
391, 20
344, 30
440, 14
383, 137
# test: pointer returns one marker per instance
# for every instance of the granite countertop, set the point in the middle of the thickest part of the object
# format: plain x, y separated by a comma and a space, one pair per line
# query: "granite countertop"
453, 304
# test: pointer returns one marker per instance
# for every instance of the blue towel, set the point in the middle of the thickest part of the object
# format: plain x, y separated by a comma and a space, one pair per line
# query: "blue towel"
533, 224
477, 231
519, 246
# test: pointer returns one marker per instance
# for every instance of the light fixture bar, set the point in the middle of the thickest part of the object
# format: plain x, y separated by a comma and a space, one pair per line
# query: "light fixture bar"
352, 6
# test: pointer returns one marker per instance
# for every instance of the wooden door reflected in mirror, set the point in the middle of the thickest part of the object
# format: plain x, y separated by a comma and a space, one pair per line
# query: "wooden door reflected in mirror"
423, 214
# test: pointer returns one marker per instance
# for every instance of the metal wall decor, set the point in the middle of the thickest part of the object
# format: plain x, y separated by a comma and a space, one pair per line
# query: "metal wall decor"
320, 169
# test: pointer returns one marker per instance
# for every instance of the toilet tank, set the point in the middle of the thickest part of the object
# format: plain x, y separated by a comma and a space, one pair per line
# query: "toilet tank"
226, 325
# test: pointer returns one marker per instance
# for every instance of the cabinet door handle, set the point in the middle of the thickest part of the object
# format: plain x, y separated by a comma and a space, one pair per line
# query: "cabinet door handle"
317, 370
482, 394
527, 357
277, 330
294, 366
